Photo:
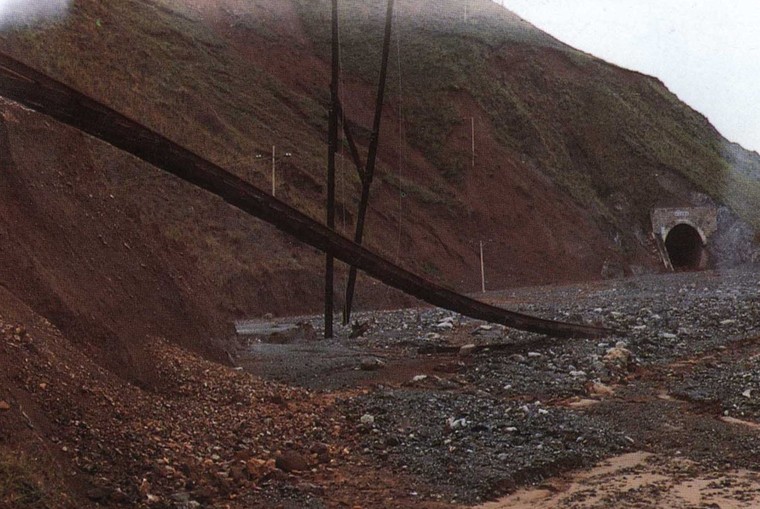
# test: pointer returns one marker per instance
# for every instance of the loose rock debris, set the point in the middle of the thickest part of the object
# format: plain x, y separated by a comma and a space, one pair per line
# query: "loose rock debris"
426, 429
520, 408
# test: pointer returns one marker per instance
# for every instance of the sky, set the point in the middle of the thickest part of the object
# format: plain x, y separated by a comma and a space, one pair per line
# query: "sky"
28, 11
707, 52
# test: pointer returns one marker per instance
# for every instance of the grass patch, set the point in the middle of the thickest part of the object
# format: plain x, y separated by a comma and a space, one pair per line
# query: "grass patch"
20, 484
431, 269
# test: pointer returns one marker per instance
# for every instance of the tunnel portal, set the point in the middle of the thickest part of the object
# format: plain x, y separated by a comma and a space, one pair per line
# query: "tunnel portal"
685, 248
682, 235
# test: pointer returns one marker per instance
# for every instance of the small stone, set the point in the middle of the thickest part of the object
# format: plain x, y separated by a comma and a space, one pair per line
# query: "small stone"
455, 423
98, 493
291, 461
466, 350
621, 357
367, 419
371, 364
483, 329
239, 473
747, 393
449, 367
181, 497
599, 389
578, 374
533, 355
392, 441
258, 468
727, 322
503, 457
419, 378
358, 329
668, 335
4, 406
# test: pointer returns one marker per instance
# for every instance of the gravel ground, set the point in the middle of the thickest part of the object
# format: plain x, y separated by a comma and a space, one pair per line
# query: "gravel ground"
524, 407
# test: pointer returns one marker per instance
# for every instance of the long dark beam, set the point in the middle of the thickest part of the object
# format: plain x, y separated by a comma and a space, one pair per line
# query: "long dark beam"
34, 90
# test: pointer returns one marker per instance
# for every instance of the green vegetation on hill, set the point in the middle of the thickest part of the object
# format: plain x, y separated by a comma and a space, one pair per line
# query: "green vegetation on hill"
595, 129
572, 153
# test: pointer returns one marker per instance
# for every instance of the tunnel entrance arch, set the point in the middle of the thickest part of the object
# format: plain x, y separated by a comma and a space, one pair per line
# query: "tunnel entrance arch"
686, 248
682, 235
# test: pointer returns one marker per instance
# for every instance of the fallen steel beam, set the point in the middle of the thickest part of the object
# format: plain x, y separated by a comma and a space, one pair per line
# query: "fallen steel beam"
34, 90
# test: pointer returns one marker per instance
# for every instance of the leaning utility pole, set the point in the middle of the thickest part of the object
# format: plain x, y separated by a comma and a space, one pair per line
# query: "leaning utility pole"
331, 151
371, 157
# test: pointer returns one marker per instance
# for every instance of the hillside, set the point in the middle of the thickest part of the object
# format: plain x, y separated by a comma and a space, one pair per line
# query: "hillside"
119, 283
571, 153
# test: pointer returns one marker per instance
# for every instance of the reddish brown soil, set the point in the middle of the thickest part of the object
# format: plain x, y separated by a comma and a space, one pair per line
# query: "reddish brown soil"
113, 251
107, 265
90, 439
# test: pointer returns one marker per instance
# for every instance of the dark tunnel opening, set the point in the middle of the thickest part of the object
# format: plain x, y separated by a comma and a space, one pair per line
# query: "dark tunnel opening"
685, 248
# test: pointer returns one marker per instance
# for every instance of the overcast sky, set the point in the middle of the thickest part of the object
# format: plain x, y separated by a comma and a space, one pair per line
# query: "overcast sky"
27, 11
706, 51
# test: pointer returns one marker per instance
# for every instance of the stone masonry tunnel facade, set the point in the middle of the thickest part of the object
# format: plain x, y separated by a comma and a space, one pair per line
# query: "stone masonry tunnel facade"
682, 235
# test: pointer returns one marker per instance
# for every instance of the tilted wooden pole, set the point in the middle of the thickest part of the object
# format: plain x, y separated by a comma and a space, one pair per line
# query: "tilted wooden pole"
36, 91
331, 151
371, 157
351, 144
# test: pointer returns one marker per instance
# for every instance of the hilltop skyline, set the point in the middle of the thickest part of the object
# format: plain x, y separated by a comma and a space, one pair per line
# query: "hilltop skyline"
706, 53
